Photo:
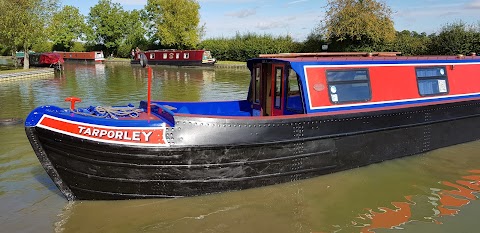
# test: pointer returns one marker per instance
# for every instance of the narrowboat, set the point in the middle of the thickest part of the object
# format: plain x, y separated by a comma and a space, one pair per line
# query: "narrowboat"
53, 60
172, 57
305, 115
93, 56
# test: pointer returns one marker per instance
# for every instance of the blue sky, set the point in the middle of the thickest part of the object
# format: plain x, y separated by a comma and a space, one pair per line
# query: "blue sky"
297, 18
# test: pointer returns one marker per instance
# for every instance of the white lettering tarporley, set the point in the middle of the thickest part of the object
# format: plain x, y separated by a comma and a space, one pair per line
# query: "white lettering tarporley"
148, 136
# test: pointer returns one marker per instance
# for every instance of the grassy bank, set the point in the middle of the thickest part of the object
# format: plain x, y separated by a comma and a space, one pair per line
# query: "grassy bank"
231, 63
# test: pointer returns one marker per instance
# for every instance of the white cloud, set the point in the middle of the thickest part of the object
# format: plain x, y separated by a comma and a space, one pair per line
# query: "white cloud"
271, 25
295, 2
131, 2
474, 4
242, 13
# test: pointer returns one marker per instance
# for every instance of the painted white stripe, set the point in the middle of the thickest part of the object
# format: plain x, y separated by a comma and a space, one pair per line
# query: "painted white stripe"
102, 126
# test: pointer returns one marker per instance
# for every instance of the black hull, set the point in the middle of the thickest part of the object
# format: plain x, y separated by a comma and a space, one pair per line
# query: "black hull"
267, 152
173, 63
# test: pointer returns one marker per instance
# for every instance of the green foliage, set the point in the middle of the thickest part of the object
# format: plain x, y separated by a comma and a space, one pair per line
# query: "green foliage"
124, 50
314, 42
411, 43
244, 47
67, 26
134, 33
41, 47
77, 47
357, 25
4, 51
107, 21
23, 23
174, 23
456, 38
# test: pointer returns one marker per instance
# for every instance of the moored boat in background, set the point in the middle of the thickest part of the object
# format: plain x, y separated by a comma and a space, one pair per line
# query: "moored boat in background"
93, 56
53, 60
305, 115
174, 57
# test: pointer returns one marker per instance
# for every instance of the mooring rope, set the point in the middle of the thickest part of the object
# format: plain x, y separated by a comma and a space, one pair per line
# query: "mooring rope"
111, 112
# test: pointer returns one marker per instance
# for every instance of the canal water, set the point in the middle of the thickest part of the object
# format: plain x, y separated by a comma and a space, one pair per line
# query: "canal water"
433, 192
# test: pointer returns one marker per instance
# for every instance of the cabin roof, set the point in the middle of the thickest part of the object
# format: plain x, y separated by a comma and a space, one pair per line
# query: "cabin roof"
298, 60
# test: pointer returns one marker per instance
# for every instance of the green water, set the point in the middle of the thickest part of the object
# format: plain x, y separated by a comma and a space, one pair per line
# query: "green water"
413, 194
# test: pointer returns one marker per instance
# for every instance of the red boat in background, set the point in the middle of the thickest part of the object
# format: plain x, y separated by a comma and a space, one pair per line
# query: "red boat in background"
173, 57
93, 56
53, 60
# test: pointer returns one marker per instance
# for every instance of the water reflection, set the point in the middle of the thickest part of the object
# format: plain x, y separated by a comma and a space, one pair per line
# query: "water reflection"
377, 198
120, 84
422, 208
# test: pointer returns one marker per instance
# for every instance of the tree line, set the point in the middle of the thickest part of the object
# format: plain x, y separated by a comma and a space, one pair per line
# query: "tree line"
349, 25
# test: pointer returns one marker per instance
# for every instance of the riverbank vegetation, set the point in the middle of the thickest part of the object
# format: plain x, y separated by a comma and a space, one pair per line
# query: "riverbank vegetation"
349, 25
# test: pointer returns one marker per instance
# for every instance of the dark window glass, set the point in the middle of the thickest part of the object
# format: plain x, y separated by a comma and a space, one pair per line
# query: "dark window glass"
257, 84
294, 98
278, 87
349, 85
432, 80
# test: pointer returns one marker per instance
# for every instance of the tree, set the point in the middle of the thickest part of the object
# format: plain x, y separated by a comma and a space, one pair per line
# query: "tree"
358, 24
175, 24
134, 33
456, 38
411, 43
67, 26
23, 23
107, 23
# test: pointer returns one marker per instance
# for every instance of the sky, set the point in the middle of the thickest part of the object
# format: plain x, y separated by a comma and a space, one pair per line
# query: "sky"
297, 18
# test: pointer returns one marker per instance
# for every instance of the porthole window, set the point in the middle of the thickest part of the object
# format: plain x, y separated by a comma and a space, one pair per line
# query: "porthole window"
432, 80
349, 85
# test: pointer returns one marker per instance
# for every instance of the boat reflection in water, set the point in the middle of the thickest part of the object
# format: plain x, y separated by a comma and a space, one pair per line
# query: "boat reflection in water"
294, 207
444, 202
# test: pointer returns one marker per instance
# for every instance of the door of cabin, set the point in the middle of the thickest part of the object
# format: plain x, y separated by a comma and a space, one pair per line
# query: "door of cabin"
268, 89
257, 97
277, 90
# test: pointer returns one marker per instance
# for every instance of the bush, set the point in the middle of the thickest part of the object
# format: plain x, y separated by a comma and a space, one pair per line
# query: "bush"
246, 46
77, 47
42, 47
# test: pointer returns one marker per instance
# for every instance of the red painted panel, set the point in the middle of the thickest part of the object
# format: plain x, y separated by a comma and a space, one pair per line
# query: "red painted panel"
463, 79
78, 55
317, 87
193, 55
393, 83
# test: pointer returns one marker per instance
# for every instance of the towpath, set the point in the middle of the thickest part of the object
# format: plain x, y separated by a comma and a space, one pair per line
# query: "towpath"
32, 73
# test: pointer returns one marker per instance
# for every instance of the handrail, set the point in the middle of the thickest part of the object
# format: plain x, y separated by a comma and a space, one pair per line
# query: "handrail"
330, 54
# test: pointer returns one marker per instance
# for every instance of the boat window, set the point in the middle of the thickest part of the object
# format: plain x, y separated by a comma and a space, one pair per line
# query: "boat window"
152, 55
186, 55
278, 87
177, 55
294, 99
165, 55
349, 85
432, 80
257, 84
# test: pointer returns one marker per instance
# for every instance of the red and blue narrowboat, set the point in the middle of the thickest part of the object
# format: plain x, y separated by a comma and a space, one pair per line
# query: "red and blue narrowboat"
305, 115
172, 57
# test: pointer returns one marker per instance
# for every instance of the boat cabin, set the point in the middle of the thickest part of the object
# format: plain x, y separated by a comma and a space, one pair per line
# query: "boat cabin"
328, 83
